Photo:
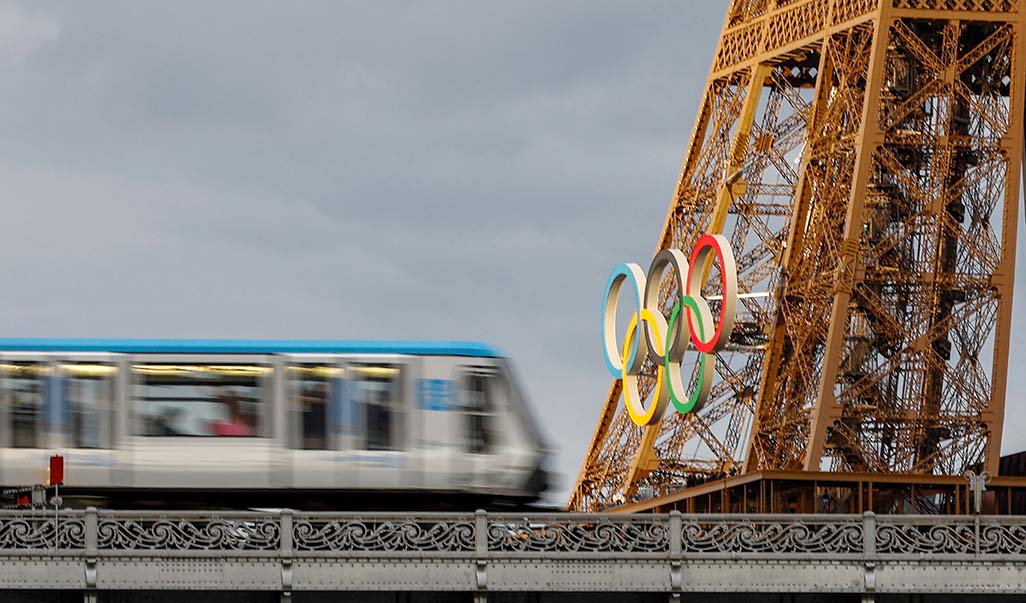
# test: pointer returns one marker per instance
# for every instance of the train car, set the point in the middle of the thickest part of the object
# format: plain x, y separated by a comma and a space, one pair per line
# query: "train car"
249, 424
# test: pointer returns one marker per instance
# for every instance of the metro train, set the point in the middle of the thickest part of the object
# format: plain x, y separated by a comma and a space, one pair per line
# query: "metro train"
252, 424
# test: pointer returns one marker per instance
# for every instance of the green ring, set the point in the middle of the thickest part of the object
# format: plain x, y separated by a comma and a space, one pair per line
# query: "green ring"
680, 406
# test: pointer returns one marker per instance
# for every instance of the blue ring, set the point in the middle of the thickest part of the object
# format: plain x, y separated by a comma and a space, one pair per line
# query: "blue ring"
625, 271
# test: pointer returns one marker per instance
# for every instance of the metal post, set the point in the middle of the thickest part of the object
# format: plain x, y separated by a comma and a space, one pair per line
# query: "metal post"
91, 538
286, 533
286, 555
56, 518
676, 533
481, 551
869, 555
676, 554
91, 551
869, 535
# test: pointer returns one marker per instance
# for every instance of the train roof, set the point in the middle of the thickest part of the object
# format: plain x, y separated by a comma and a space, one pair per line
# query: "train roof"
248, 346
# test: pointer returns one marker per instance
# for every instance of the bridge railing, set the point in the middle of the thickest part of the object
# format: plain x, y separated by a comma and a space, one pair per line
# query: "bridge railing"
289, 534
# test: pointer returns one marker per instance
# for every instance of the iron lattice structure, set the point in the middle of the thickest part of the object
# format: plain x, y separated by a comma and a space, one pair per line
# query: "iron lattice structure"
863, 157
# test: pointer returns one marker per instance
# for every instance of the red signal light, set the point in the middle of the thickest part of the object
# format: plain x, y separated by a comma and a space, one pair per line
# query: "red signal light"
56, 470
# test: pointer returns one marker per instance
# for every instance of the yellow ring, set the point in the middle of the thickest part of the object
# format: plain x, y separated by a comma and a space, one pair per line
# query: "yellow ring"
638, 413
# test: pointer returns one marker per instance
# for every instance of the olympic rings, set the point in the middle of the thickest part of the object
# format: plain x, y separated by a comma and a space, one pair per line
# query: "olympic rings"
650, 336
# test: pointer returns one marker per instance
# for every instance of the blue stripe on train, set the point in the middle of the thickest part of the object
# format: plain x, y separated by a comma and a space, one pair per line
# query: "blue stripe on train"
248, 346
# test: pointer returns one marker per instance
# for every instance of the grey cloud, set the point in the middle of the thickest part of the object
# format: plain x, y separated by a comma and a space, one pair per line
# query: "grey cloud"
462, 169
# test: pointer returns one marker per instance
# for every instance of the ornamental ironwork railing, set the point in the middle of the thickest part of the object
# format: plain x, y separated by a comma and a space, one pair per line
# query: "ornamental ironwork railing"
96, 533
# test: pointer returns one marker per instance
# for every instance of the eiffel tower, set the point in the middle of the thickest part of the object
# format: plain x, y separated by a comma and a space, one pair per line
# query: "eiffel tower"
863, 159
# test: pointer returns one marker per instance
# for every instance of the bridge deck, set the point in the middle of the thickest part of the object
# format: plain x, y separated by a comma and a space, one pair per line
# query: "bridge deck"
480, 553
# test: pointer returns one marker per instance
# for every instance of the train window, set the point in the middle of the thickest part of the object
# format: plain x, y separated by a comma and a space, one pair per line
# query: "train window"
479, 389
225, 400
376, 389
310, 390
25, 387
88, 390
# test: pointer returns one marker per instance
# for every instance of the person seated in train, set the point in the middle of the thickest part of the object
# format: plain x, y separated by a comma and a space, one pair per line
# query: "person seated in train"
236, 425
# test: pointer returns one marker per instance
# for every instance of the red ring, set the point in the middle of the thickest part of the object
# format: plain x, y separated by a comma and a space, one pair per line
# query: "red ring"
706, 240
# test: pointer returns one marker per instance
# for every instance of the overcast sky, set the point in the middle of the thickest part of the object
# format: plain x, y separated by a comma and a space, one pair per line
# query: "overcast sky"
396, 170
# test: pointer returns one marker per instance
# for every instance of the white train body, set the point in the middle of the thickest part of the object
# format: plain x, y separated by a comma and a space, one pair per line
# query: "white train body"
250, 422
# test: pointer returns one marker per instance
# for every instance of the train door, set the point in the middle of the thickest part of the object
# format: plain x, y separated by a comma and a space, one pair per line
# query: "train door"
28, 417
435, 446
374, 422
87, 390
483, 396
313, 396
202, 422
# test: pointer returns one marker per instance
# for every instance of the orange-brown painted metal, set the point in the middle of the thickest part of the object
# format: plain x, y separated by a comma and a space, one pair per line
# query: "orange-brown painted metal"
863, 157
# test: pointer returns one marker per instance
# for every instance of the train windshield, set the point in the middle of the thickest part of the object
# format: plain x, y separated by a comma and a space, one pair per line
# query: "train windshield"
484, 392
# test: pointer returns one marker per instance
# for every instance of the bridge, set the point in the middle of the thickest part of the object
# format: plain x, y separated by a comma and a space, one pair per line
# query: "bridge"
97, 555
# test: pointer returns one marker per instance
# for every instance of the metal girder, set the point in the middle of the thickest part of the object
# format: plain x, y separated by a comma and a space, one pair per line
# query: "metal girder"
874, 165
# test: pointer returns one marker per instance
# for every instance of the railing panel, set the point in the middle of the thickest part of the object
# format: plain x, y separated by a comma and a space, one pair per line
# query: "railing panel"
578, 534
951, 536
897, 537
187, 532
42, 530
371, 533
800, 534
1002, 538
